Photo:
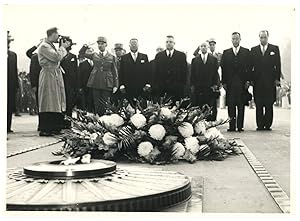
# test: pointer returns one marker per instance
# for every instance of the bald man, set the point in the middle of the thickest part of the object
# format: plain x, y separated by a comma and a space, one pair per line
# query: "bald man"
205, 80
266, 73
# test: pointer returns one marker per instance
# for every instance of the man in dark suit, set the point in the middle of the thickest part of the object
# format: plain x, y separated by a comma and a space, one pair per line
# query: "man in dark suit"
12, 82
134, 76
266, 76
205, 80
34, 71
85, 68
171, 71
235, 79
69, 67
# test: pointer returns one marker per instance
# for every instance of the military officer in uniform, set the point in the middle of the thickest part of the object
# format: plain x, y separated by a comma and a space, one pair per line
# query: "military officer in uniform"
104, 76
119, 52
212, 50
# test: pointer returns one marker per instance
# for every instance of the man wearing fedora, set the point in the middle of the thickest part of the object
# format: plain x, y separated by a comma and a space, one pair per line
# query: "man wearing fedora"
134, 71
12, 82
266, 74
235, 66
104, 77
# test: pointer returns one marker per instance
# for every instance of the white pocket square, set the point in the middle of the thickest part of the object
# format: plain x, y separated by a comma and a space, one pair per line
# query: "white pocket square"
142, 61
272, 53
73, 59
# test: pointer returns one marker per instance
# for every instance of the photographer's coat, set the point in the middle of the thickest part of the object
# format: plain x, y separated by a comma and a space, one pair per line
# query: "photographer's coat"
51, 90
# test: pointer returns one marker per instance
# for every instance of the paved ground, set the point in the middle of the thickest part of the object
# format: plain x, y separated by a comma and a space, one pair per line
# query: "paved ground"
229, 186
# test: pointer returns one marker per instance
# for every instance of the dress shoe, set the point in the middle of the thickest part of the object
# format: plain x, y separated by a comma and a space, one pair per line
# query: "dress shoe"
45, 134
57, 132
240, 129
268, 128
10, 131
230, 130
259, 128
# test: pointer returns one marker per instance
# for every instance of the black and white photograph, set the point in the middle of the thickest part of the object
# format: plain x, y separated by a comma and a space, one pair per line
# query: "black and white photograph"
168, 108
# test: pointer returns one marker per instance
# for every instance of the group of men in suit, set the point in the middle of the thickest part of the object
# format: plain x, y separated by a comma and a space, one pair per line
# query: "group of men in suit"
132, 75
259, 67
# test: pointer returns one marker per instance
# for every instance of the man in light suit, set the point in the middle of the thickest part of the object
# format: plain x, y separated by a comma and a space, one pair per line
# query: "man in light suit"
134, 73
205, 80
170, 71
266, 73
235, 79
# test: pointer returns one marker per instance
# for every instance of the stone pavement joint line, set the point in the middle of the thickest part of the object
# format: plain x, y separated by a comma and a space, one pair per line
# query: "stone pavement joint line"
275, 190
28, 149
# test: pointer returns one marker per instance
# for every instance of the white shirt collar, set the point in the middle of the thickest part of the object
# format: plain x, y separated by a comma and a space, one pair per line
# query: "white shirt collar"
104, 52
132, 54
237, 49
266, 46
206, 54
171, 51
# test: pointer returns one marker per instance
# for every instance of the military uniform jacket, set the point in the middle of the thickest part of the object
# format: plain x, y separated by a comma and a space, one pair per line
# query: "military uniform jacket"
104, 75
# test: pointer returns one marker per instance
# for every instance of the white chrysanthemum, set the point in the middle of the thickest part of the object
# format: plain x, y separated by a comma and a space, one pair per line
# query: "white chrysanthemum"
105, 119
130, 109
165, 112
192, 144
186, 129
93, 136
157, 132
179, 150
138, 120
116, 120
200, 127
109, 139
144, 148
213, 132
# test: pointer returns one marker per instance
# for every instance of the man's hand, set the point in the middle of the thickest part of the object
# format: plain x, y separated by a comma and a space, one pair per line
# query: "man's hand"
34, 89
65, 44
247, 84
277, 83
147, 88
114, 90
122, 89
224, 86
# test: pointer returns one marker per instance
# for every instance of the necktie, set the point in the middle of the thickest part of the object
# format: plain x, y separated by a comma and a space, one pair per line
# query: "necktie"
235, 51
101, 53
263, 50
169, 54
203, 59
134, 57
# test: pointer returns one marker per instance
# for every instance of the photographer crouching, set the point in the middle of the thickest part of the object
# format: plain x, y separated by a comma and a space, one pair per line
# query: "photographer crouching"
51, 91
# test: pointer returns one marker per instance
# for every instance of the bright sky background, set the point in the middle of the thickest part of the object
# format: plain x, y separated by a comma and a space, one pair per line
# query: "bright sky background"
190, 25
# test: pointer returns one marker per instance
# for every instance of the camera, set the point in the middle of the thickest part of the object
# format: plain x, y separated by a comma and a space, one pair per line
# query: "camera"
63, 39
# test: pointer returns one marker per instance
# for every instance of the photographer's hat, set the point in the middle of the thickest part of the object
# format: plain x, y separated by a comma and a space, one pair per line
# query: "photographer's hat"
102, 39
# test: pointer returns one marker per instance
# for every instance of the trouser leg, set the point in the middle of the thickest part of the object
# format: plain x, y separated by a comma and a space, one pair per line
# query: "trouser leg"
232, 115
268, 115
240, 116
259, 116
